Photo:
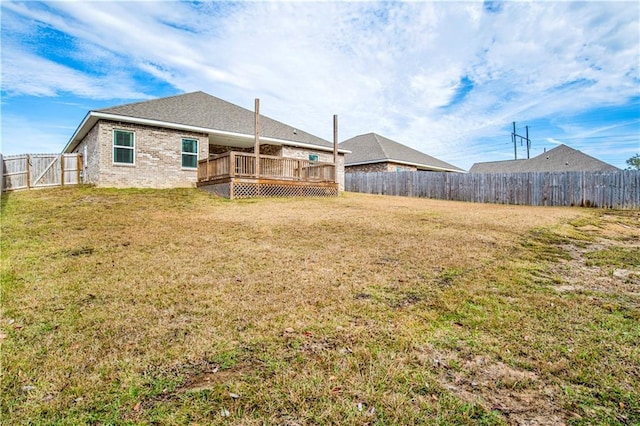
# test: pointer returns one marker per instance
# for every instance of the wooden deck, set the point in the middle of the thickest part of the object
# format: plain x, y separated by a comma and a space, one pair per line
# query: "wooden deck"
233, 175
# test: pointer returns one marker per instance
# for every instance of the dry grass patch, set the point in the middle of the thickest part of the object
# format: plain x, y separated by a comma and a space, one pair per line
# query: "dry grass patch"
174, 307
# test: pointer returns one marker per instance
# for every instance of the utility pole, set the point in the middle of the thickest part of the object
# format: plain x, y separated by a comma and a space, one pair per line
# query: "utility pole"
514, 138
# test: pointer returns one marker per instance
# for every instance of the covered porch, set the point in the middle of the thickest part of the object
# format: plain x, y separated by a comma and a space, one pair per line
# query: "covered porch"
238, 175
273, 167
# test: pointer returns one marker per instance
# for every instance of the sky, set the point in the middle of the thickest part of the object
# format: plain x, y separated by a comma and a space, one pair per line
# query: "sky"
445, 78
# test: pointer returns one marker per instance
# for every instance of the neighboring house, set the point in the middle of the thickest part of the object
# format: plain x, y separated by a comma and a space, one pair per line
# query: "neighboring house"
161, 143
559, 159
374, 153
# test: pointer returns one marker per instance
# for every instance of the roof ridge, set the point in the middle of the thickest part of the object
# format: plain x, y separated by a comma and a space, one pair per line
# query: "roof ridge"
380, 144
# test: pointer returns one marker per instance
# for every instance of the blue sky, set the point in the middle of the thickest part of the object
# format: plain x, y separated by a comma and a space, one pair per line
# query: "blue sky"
446, 78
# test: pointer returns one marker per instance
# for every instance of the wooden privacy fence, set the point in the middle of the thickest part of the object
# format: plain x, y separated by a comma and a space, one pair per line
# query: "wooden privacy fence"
619, 189
28, 171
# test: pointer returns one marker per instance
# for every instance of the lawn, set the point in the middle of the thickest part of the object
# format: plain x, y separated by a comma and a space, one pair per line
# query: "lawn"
176, 307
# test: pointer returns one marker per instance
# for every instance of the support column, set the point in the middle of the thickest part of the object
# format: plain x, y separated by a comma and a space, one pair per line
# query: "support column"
256, 149
335, 148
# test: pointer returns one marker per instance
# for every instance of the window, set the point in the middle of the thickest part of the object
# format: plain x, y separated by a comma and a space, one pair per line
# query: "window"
313, 157
189, 153
123, 147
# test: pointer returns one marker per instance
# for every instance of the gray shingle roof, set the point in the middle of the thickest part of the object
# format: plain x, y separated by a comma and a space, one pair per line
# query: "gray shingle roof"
559, 159
504, 166
200, 109
373, 148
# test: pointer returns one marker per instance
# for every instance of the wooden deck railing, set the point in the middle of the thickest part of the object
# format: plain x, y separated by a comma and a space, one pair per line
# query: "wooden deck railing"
243, 165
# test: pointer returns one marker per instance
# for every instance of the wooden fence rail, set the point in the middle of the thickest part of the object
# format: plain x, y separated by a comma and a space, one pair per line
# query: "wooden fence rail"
619, 189
28, 171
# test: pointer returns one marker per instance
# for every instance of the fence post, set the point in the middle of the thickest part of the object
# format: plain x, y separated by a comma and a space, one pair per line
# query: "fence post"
79, 164
28, 172
62, 160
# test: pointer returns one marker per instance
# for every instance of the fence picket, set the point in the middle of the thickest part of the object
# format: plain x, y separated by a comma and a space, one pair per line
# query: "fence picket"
40, 170
618, 189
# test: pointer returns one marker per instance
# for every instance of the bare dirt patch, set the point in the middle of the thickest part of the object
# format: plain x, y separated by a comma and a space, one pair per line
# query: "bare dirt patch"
520, 396
583, 272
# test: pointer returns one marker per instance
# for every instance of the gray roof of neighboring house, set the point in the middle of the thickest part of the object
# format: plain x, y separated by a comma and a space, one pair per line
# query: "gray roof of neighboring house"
372, 148
559, 159
204, 112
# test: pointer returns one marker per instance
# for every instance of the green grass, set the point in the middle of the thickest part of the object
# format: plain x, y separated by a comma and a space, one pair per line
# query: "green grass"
619, 257
174, 307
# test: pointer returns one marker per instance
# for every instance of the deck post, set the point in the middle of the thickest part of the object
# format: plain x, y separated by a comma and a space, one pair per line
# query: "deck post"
232, 164
335, 148
256, 149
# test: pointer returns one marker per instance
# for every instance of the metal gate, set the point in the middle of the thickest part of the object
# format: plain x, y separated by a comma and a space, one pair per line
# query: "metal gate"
28, 171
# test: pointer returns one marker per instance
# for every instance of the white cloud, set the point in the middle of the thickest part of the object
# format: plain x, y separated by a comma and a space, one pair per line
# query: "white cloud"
28, 74
384, 67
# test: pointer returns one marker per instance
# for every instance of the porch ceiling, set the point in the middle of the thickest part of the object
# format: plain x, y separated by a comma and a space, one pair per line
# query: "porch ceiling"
236, 141
247, 141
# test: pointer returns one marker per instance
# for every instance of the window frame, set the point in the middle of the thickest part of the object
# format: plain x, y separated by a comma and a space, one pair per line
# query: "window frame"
184, 153
132, 148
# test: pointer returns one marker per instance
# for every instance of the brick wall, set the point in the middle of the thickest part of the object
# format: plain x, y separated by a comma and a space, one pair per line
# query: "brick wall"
323, 156
90, 157
395, 167
265, 149
380, 167
157, 157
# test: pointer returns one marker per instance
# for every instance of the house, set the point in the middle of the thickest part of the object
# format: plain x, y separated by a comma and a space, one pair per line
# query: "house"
196, 139
559, 159
374, 153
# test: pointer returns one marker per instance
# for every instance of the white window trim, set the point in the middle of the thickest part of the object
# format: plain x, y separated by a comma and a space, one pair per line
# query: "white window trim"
197, 153
113, 148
